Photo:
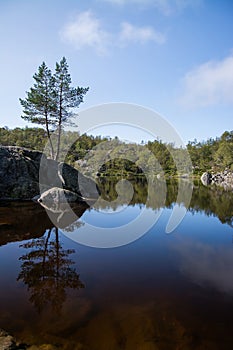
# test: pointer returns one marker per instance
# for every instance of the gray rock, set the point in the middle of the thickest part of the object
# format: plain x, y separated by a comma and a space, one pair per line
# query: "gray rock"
224, 179
76, 182
206, 178
48, 174
24, 174
58, 195
19, 173
65, 215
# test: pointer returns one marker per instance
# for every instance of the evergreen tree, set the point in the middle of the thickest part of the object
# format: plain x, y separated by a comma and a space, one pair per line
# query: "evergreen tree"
39, 105
51, 100
67, 98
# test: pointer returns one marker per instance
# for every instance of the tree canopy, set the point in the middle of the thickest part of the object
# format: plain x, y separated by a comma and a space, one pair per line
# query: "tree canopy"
51, 101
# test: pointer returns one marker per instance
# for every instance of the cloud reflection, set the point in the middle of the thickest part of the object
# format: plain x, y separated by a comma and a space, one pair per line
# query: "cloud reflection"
206, 265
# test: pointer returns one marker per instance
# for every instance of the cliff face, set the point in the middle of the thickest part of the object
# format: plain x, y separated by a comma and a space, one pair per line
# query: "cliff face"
19, 173
24, 174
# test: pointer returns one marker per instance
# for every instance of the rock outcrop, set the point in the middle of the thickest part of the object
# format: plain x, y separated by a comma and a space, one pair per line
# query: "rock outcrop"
224, 179
76, 182
206, 178
58, 195
19, 173
25, 174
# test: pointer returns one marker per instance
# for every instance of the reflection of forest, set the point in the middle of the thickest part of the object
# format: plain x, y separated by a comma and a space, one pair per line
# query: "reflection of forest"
210, 200
47, 271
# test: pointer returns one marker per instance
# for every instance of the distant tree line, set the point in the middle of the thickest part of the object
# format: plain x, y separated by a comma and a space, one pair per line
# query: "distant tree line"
211, 155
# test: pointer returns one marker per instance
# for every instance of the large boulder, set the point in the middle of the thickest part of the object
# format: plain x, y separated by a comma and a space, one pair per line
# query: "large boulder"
58, 195
76, 182
24, 174
206, 178
19, 173
223, 179
64, 212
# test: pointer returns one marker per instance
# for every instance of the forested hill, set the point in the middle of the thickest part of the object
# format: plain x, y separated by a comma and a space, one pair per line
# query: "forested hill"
210, 155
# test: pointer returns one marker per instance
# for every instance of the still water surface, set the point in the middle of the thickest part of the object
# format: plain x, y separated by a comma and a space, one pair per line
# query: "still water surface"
160, 292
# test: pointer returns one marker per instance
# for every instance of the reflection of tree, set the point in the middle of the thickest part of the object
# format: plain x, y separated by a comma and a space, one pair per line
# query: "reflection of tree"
212, 200
47, 271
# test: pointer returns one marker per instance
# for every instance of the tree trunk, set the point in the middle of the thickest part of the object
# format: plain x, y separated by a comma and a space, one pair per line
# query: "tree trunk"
59, 126
50, 142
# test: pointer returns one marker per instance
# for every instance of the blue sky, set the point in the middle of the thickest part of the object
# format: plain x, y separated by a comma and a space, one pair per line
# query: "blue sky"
172, 56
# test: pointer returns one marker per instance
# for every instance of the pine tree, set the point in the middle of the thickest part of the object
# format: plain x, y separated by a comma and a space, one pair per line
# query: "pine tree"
50, 102
67, 98
39, 105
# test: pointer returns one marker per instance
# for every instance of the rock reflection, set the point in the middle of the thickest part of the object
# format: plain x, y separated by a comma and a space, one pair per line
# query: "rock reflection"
22, 220
65, 215
27, 220
47, 271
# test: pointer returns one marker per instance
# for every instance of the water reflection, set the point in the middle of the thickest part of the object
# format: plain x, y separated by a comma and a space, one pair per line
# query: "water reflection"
65, 214
47, 271
206, 265
22, 220
162, 292
212, 200
27, 220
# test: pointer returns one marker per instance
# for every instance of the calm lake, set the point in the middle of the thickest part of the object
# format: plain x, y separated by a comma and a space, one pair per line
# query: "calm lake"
161, 291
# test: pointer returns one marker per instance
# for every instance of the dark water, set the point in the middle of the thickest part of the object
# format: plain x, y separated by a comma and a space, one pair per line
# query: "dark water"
162, 291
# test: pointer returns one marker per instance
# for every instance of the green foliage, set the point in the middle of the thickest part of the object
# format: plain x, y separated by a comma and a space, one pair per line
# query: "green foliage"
118, 158
224, 154
66, 99
33, 138
213, 154
51, 100
83, 144
163, 155
39, 104
36, 139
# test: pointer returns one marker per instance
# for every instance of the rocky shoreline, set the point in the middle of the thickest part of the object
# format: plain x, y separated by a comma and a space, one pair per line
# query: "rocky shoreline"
30, 175
223, 179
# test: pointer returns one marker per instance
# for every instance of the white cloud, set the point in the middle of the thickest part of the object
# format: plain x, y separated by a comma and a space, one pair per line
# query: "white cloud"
166, 7
86, 31
209, 84
131, 33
